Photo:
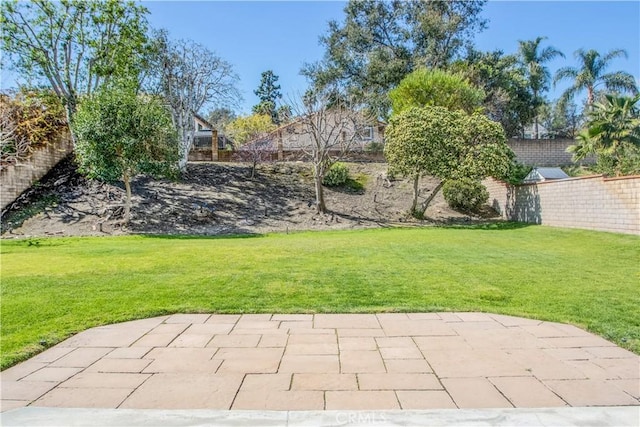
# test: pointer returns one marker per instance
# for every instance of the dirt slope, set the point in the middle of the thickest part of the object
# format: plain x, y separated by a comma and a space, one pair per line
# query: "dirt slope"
217, 198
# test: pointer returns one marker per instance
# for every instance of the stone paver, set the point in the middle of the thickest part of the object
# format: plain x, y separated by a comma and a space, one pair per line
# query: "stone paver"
118, 365
174, 359
474, 393
185, 391
305, 362
408, 366
251, 366
271, 400
526, 392
25, 390
53, 374
357, 343
473, 363
188, 318
84, 398
324, 382
273, 341
398, 382
590, 393
350, 321
81, 357
355, 361
51, 355
323, 364
266, 382
105, 380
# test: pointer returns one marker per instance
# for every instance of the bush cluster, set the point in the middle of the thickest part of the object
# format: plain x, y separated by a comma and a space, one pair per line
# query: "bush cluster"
374, 147
517, 173
29, 118
337, 175
465, 194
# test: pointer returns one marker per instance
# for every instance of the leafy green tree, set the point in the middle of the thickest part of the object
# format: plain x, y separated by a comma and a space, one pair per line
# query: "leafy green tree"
562, 119
613, 135
507, 98
285, 114
120, 134
221, 117
75, 46
425, 87
532, 58
246, 133
591, 73
380, 42
445, 144
268, 92
246, 128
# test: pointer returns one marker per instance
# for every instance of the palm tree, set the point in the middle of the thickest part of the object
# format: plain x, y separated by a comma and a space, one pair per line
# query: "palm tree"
532, 58
613, 131
590, 73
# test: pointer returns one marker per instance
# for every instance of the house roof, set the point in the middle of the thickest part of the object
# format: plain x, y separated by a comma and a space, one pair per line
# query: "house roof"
296, 121
543, 174
203, 120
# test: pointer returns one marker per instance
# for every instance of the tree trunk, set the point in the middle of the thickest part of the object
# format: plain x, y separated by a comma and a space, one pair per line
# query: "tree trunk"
535, 118
589, 96
414, 204
317, 177
426, 203
70, 110
127, 204
187, 140
185, 146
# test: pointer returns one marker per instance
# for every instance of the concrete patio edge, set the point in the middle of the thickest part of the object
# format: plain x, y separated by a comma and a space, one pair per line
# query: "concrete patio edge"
568, 416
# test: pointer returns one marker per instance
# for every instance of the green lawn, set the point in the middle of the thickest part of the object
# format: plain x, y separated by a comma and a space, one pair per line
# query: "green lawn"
52, 288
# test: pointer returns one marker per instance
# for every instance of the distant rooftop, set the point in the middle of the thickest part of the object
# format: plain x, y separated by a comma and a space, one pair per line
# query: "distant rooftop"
544, 174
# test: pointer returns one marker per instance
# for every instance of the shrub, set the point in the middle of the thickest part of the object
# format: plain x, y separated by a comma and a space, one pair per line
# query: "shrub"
465, 194
374, 147
517, 173
337, 175
29, 118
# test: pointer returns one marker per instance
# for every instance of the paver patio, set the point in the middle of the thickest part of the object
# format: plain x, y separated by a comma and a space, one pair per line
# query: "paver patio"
327, 362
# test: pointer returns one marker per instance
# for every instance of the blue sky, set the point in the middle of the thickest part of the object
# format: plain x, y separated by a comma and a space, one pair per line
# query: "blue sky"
281, 35
261, 35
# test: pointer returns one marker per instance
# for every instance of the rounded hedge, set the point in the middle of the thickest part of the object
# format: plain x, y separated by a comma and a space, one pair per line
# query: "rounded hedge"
337, 175
465, 194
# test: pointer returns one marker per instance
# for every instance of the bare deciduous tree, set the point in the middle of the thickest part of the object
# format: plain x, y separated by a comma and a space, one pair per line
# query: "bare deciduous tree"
328, 126
190, 76
251, 139
260, 150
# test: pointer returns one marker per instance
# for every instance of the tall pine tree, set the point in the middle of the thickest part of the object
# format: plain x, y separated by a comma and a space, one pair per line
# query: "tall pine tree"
268, 92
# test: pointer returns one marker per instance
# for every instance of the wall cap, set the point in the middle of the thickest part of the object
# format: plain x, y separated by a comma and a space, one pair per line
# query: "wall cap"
621, 178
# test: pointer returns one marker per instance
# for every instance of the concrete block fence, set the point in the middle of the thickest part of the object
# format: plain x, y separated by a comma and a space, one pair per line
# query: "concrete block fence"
592, 202
16, 178
545, 152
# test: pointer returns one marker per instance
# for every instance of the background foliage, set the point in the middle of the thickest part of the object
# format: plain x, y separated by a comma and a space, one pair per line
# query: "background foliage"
29, 119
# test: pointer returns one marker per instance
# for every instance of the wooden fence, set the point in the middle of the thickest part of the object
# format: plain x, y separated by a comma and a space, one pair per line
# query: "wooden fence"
208, 155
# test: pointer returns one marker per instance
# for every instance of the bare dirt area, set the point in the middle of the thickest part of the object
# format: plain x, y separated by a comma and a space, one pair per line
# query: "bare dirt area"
220, 199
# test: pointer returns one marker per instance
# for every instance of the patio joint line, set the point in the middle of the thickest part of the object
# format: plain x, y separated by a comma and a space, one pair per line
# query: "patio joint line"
235, 396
